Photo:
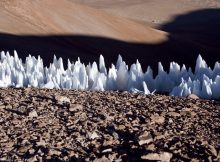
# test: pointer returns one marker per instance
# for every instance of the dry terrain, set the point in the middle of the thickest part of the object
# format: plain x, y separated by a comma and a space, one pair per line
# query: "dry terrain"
65, 18
54, 125
68, 125
150, 12
69, 29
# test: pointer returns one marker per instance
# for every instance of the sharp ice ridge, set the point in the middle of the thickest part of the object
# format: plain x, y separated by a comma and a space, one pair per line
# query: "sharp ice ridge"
178, 81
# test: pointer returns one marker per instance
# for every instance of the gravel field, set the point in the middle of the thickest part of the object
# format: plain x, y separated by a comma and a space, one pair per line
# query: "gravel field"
61, 125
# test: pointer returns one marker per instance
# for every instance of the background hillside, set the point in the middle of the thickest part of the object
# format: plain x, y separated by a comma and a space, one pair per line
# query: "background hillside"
69, 29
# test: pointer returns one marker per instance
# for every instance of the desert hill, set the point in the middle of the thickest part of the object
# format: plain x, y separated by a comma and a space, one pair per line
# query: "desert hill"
69, 30
150, 12
40, 124
40, 17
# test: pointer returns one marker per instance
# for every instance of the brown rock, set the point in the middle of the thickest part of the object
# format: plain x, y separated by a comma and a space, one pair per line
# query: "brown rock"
33, 159
33, 114
195, 160
145, 138
94, 135
41, 143
174, 114
75, 108
193, 96
23, 149
121, 127
151, 147
54, 152
3, 159
157, 119
103, 159
31, 151
62, 99
2, 106
164, 156
213, 150
171, 109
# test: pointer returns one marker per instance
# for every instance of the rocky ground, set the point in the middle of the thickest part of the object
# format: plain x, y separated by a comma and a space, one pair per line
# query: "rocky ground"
55, 125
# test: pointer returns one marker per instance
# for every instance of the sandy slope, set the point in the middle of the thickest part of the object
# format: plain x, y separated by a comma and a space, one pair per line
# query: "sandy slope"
151, 12
69, 30
63, 17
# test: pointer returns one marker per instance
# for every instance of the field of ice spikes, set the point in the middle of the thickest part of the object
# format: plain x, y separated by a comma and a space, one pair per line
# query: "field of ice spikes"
179, 81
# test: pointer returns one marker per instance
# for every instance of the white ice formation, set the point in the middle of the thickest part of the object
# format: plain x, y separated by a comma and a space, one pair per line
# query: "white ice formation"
179, 81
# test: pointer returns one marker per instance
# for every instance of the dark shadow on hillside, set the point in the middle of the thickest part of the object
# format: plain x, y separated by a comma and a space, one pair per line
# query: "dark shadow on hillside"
199, 28
183, 46
206, 21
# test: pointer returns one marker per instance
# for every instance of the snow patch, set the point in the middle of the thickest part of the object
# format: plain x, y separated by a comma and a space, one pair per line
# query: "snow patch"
178, 81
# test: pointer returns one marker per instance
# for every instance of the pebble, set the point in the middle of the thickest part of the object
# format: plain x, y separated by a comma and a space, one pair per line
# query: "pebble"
145, 138
33, 114
164, 156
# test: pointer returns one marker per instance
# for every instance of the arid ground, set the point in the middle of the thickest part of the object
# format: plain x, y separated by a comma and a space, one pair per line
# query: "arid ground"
55, 125
70, 125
